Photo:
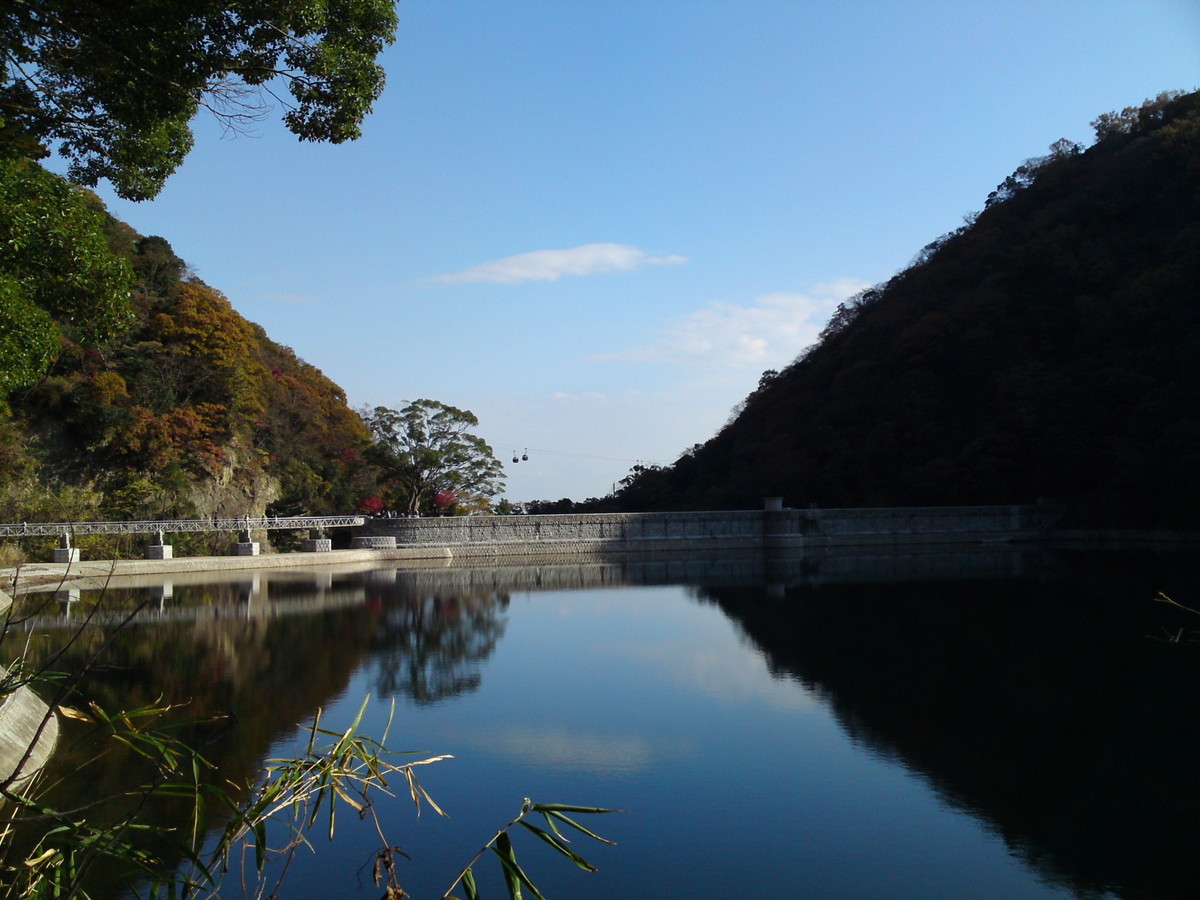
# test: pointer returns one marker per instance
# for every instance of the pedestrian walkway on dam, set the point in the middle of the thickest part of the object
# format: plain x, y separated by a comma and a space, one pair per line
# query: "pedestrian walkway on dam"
99, 571
180, 526
773, 527
66, 532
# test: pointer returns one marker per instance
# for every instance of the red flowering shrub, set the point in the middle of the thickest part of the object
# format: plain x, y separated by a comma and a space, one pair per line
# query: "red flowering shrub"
370, 506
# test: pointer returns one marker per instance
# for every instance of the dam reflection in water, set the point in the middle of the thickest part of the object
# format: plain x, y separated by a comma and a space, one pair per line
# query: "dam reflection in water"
965, 724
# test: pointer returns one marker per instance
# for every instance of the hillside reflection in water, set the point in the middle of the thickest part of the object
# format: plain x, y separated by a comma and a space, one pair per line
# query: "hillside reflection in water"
819, 727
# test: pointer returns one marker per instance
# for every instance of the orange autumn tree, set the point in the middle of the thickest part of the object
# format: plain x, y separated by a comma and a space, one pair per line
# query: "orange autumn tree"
192, 398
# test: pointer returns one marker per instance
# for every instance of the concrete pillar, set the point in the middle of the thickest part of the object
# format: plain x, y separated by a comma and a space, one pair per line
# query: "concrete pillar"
65, 553
157, 549
316, 543
776, 526
245, 546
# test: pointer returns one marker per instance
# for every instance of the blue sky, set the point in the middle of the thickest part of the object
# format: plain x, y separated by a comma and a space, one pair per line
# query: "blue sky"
595, 224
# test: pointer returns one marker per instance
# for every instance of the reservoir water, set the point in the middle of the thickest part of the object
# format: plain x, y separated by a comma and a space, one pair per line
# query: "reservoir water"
979, 724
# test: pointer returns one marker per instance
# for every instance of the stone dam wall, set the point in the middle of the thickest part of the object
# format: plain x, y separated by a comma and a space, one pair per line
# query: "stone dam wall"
766, 529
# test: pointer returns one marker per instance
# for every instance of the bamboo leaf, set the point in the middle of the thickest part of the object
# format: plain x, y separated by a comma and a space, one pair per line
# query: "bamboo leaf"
417, 792
314, 730
559, 844
508, 864
423, 762
514, 876
468, 883
341, 792
38, 860
260, 845
582, 828
387, 727
69, 712
208, 878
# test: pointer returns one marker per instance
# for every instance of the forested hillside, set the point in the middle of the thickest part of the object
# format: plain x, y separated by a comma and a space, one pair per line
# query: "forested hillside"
189, 411
172, 405
1048, 349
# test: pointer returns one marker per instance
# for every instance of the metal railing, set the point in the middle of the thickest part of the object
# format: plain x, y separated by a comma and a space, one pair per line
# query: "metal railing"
179, 526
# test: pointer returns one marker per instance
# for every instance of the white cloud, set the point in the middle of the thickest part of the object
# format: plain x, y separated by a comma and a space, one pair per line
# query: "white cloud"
561, 748
726, 677
551, 265
584, 436
771, 331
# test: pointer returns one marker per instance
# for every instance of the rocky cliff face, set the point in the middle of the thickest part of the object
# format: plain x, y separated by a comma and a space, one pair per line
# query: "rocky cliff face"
239, 487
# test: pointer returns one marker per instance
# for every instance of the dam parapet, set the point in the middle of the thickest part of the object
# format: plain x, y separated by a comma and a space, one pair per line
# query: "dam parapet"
772, 528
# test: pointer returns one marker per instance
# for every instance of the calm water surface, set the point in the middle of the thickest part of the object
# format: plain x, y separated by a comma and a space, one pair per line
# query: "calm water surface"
971, 725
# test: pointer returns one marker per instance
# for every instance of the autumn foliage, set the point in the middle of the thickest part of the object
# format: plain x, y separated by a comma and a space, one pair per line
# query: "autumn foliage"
192, 411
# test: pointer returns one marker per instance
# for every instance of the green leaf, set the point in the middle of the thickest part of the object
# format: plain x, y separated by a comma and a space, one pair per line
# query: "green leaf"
508, 860
581, 828
559, 844
468, 883
260, 845
514, 877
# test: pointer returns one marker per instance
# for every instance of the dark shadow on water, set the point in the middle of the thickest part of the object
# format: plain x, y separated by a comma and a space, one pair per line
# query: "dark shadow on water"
1047, 706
